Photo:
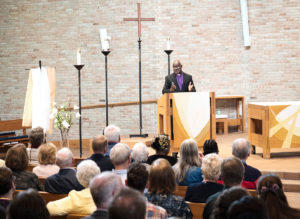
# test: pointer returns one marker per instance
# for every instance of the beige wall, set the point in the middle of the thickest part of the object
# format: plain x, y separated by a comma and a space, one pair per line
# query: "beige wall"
206, 37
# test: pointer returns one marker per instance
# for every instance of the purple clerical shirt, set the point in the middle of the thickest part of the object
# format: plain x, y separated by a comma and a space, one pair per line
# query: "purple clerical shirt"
179, 79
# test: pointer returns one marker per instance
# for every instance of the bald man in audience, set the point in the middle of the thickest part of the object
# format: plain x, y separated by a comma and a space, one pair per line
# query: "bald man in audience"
99, 146
103, 188
112, 133
232, 173
241, 148
65, 180
120, 157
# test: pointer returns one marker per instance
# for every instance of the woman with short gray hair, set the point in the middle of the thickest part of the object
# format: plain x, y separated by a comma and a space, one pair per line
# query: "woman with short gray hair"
78, 202
139, 152
211, 169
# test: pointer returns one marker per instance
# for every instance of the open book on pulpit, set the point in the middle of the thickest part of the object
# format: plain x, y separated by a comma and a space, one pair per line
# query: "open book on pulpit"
187, 115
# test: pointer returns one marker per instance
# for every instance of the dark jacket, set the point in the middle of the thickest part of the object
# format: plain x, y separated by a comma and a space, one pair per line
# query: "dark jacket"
63, 182
185, 84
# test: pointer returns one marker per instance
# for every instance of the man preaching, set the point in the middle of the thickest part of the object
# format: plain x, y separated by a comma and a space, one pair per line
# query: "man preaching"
178, 81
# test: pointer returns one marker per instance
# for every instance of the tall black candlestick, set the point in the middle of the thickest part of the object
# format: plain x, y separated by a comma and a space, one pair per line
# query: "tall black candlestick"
105, 53
168, 51
79, 67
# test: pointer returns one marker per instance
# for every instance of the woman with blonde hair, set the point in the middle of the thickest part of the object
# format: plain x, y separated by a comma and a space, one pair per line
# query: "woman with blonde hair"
161, 187
188, 167
47, 159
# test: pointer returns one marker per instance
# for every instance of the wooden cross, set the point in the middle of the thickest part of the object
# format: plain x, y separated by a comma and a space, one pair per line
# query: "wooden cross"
139, 19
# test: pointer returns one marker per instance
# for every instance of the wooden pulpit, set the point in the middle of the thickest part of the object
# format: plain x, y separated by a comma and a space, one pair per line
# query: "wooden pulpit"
187, 115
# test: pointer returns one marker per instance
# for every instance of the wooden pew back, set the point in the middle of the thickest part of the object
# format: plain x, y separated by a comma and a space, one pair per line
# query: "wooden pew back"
180, 191
197, 209
48, 197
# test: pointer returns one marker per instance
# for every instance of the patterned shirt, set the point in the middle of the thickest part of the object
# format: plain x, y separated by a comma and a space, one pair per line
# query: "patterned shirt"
155, 212
175, 205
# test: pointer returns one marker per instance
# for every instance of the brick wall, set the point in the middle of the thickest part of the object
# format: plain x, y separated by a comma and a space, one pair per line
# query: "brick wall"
205, 35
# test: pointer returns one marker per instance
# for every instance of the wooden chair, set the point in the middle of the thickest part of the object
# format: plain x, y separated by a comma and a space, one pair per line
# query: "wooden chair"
77, 160
197, 209
180, 191
48, 197
30, 167
252, 192
42, 179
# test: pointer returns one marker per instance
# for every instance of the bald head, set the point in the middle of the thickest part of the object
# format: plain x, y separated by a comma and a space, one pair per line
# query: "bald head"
177, 67
103, 188
64, 158
241, 148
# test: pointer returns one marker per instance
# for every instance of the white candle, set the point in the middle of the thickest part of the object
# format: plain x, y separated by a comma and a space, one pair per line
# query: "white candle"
168, 44
78, 57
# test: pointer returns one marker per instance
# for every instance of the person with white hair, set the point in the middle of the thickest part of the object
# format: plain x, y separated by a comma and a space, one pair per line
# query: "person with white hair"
65, 180
77, 202
241, 148
211, 169
103, 188
120, 157
140, 152
188, 168
112, 133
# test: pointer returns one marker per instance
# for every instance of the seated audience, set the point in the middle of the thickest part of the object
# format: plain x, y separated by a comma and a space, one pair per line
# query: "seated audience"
17, 161
188, 168
241, 148
128, 203
162, 185
36, 139
28, 204
139, 152
103, 188
112, 133
225, 199
211, 169
137, 178
99, 146
248, 207
7, 186
232, 173
120, 157
78, 202
46, 158
210, 146
65, 180
270, 191
161, 145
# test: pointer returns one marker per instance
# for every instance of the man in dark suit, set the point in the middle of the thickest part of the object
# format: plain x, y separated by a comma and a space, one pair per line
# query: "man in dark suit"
178, 81
99, 146
65, 180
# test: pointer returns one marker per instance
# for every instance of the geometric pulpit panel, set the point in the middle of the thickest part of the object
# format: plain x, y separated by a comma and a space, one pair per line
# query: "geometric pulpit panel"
284, 123
191, 117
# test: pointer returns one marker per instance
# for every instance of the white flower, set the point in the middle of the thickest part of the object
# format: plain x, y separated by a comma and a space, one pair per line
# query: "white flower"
76, 107
55, 121
62, 106
54, 111
78, 115
65, 124
54, 103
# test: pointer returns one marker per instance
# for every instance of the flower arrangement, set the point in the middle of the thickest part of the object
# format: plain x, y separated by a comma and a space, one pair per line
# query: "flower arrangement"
63, 119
